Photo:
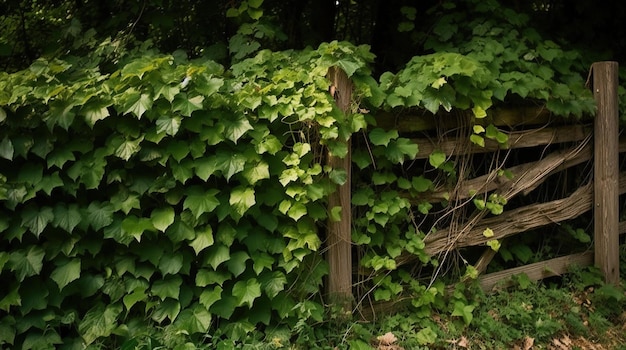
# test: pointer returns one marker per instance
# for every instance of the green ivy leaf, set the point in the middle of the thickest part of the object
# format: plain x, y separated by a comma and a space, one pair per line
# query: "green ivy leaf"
208, 297
162, 218
49, 183
241, 199
296, 211
463, 310
99, 321
26, 263
134, 226
168, 308
128, 148
398, 149
237, 263
206, 277
256, 172
186, 105
99, 215
137, 103
234, 129
67, 272
36, 219
216, 255
10, 299
194, 320
380, 137
200, 201
247, 291
6, 148
204, 239
168, 287
229, 163
273, 283
171, 263
421, 184
168, 124
437, 158
134, 297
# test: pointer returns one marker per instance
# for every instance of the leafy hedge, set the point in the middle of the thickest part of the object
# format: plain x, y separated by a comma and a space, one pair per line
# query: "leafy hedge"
168, 191
149, 191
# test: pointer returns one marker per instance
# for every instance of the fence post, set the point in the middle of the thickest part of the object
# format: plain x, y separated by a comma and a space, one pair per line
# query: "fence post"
339, 254
606, 172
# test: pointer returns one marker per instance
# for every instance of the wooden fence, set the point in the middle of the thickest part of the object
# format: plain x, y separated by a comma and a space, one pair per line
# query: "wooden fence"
529, 127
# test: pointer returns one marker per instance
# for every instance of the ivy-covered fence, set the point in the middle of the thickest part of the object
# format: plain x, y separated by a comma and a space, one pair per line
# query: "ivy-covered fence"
564, 168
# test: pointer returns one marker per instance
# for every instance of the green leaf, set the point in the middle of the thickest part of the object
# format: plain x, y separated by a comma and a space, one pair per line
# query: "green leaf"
397, 150
49, 183
338, 176
204, 239
208, 87
494, 244
162, 218
186, 105
193, 320
207, 277
6, 148
242, 199
26, 263
229, 163
36, 219
168, 124
421, 184
137, 103
168, 308
66, 273
205, 167
296, 211
256, 173
99, 321
380, 137
95, 112
478, 140
200, 201
426, 336
237, 263
273, 283
10, 299
168, 287
437, 158
171, 263
247, 291
208, 297
216, 255
465, 311
137, 295
234, 129
128, 148
134, 226
99, 215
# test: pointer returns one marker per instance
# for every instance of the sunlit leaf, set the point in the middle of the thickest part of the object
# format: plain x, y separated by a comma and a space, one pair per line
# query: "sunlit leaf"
66, 272
247, 291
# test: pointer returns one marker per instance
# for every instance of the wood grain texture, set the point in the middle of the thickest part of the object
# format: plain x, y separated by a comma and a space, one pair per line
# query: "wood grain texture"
339, 253
606, 178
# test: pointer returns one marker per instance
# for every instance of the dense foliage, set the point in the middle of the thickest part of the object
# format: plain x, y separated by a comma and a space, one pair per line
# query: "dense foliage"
185, 191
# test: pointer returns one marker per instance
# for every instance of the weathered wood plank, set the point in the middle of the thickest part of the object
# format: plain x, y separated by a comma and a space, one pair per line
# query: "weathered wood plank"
606, 159
517, 139
422, 120
512, 222
536, 271
489, 182
339, 254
